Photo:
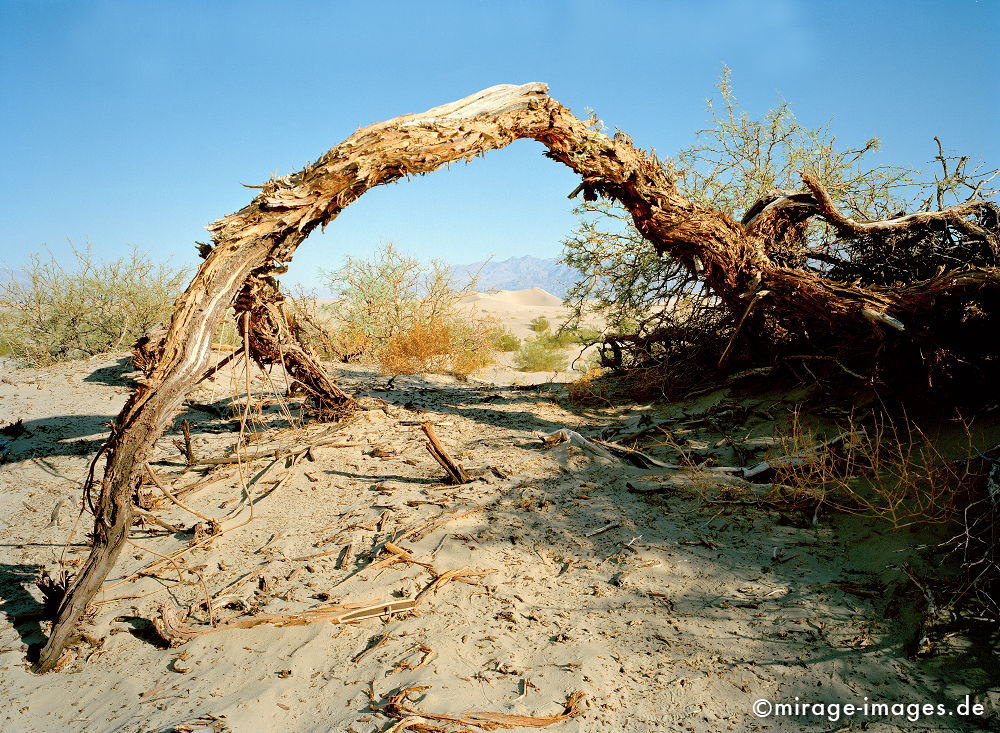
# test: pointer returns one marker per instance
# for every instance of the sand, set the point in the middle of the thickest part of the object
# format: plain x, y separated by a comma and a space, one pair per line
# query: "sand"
517, 308
673, 601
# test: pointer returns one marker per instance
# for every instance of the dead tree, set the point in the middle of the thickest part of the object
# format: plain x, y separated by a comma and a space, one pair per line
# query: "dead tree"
732, 258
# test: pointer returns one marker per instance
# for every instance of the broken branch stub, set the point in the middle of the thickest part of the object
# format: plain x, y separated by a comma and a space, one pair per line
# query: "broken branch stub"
456, 473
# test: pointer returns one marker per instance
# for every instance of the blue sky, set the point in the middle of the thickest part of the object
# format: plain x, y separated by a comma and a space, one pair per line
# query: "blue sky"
136, 122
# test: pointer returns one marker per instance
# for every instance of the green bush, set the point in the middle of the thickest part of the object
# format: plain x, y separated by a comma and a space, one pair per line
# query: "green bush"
539, 324
58, 313
585, 336
624, 326
504, 340
541, 354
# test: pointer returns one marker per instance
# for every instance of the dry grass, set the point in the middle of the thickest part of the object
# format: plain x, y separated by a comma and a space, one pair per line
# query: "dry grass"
889, 468
588, 390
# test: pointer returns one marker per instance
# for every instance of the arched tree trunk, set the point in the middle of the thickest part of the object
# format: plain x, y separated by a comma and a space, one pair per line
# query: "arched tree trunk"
731, 257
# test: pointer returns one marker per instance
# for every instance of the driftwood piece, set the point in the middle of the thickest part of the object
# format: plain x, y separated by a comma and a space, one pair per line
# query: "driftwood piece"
801, 458
610, 451
171, 626
456, 473
398, 706
640, 460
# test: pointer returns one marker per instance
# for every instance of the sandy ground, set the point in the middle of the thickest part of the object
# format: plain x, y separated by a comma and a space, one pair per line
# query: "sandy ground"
673, 601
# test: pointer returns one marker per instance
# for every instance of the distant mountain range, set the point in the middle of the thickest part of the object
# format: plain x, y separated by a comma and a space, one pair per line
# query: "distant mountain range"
520, 273
514, 273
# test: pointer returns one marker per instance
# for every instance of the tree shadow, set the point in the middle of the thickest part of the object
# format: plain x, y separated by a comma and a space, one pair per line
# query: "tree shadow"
21, 608
475, 403
63, 435
114, 375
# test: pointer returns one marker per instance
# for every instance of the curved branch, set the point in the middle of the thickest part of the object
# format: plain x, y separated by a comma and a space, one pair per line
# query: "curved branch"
259, 239
954, 216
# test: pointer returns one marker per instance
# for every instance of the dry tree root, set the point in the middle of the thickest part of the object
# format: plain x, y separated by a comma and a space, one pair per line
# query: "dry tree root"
275, 337
171, 626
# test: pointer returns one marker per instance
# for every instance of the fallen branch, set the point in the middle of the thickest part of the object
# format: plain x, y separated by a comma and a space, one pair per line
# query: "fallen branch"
610, 451
802, 458
396, 554
420, 529
171, 626
397, 706
456, 474
298, 450
166, 492
461, 575
572, 437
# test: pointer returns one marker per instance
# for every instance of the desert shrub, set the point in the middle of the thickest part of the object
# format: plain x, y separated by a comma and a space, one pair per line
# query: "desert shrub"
563, 337
504, 340
57, 312
453, 347
891, 469
540, 324
585, 336
588, 389
404, 315
543, 353
314, 326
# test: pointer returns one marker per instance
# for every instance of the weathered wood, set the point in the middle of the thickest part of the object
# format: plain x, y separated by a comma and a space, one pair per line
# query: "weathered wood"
273, 337
456, 473
733, 259
147, 348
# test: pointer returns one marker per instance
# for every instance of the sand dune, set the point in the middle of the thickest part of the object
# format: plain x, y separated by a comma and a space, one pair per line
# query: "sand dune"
531, 297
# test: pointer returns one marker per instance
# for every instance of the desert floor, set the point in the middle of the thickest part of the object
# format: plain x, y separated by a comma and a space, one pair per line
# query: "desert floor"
672, 599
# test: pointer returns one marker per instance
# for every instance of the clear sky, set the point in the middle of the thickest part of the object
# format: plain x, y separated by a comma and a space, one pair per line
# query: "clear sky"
135, 122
